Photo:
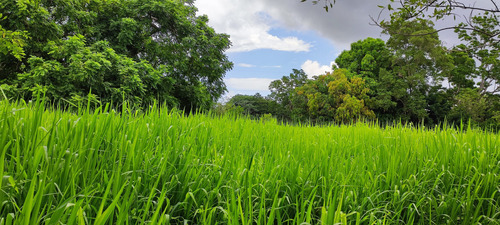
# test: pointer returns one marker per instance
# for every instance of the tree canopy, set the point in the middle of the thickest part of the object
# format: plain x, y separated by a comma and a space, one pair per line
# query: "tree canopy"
421, 80
338, 96
138, 49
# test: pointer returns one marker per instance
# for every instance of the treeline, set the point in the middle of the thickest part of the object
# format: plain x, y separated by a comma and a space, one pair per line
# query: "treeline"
145, 51
410, 79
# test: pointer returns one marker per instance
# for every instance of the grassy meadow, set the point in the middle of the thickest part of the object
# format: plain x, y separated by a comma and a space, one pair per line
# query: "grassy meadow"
163, 167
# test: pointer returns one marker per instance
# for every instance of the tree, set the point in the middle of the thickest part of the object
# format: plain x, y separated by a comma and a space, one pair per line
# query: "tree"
445, 9
464, 70
471, 105
165, 34
480, 45
372, 60
420, 61
283, 92
338, 96
73, 70
12, 42
253, 105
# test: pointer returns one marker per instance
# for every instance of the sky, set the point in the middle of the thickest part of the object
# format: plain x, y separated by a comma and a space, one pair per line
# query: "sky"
272, 37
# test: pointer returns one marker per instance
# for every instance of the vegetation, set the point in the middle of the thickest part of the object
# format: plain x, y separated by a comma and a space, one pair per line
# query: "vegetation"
337, 96
254, 106
137, 50
162, 167
406, 75
117, 144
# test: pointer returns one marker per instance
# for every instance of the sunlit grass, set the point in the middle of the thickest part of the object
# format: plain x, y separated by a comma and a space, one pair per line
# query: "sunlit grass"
162, 167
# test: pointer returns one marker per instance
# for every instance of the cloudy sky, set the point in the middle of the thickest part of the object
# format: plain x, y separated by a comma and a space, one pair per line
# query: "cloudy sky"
272, 37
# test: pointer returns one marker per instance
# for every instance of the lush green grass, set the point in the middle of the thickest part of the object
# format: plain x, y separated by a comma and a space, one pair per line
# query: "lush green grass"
162, 167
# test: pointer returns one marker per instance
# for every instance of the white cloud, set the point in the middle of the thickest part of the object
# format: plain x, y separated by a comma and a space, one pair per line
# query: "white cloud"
313, 68
248, 84
246, 65
248, 24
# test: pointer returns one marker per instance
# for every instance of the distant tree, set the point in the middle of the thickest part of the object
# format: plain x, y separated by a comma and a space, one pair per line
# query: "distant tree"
283, 92
372, 60
464, 70
166, 35
338, 96
366, 57
421, 62
471, 105
253, 105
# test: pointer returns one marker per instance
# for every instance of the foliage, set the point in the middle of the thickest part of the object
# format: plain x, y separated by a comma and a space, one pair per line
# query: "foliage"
446, 10
399, 75
12, 42
224, 109
72, 70
164, 167
253, 105
337, 96
366, 57
167, 35
372, 60
470, 105
464, 70
283, 92
419, 61
481, 46
409, 87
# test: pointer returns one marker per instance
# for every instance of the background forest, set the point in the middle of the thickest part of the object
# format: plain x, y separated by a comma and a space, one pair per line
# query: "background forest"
143, 51
411, 77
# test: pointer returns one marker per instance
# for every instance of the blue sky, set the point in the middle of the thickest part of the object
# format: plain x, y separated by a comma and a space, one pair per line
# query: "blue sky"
268, 64
272, 37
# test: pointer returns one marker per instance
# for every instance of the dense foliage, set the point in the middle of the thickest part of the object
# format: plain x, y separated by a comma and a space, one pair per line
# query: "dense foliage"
337, 96
414, 78
138, 50
162, 167
255, 105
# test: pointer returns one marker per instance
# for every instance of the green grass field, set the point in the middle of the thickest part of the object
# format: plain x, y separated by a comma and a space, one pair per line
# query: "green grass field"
161, 167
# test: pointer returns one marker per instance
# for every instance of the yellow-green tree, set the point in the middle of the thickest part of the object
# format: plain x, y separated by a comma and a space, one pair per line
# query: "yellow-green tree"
338, 96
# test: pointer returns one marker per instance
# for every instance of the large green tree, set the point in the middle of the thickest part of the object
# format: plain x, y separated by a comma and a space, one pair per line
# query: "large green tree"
400, 76
372, 60
283, 92
421, 62
178, 45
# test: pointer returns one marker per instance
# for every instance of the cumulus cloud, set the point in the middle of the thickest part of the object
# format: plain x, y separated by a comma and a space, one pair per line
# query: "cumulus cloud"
314, 68
248, 24
347, 22
248, 84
